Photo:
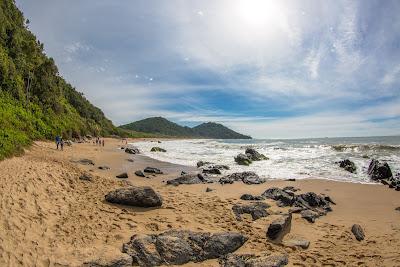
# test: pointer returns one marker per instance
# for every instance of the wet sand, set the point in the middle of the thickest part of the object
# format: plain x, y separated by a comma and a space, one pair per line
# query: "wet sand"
49, 217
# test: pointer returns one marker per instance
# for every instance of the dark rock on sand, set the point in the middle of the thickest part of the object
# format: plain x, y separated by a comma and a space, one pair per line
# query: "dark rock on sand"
135, 196
86, 177
132, 150
178, 247
251, 260
291, 180
291, 188
279, 227
243, 159
211, 171
257, 210
245, 177
157, 149
139, 173
379, 170
250, 197
189, 179
209, 189
85, 162
183, 173
153, 170
104, 167
122, 175
309, 215
283, 197
348, 165
398, 209
358, 232
254, 155
131, 160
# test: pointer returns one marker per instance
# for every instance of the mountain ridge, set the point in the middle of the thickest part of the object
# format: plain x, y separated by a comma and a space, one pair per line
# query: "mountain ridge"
162, 126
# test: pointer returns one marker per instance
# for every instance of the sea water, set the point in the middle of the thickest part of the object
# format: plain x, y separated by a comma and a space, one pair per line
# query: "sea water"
296, 158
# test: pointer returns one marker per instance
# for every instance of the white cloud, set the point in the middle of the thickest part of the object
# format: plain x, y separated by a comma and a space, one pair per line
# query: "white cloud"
391, 76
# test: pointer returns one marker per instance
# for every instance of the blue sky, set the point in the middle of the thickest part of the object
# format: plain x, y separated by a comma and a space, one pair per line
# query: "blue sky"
271, 69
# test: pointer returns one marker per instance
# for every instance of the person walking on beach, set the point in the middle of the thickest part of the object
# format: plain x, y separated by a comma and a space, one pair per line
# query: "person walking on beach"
58, 138
62, 144
103, 142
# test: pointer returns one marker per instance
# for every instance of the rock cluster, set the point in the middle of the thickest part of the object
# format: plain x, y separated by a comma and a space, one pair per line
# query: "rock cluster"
178, 247
157, 149
211, 168
153, 170
310, 205
348, 165
144, 196
249, 156
245, 177
381, 172
189, 179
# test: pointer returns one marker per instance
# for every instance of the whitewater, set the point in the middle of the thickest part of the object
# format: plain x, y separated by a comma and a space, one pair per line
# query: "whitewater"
297, 158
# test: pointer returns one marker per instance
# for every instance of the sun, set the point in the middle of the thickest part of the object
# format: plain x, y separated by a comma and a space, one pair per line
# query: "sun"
261, 13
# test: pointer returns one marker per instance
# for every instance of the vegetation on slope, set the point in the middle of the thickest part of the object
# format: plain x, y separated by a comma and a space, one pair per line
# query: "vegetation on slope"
162, 126
35, 101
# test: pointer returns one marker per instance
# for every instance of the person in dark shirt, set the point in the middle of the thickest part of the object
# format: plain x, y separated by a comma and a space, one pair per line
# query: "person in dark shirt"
58, 139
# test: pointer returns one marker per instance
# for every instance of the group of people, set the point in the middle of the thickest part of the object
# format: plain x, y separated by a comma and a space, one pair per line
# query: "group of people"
99, 142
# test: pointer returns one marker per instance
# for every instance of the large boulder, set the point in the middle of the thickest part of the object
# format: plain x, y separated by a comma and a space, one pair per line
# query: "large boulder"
178, 247
189, 179
157, 149
243, 159
348, 165
135, 196
279, 227
132, 150
379, 170
256, 210
254, 155
245, 177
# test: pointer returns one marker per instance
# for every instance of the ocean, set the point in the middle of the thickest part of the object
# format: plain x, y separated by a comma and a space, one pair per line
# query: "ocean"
296, 158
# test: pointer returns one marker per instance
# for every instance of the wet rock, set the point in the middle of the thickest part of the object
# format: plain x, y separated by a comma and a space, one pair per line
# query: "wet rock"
302, 243
209, 189
157, 149
139, 173
254, 155
85, 162
279, 227
257, 210
348, 165
189, 179
211, 171
284, 198
176, 247
245, 177
309, 215
398, 209
358, 232
86, 177
251, 197
122, 175
104, 167
183, 173
143, 196
291, 180
243, 159
153, 170
131, 160
251, 260
202, 163
132, 150
379, 170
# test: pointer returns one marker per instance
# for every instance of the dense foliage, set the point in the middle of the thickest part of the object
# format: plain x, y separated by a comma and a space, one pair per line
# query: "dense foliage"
35, 101
162, 126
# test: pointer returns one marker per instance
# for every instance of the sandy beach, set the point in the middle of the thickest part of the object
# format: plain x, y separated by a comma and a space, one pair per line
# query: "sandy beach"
49, 217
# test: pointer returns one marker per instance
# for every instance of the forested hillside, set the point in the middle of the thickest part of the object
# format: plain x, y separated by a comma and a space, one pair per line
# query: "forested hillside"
35, 101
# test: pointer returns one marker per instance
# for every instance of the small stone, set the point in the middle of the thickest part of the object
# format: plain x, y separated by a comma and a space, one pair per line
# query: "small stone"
358, 232
309, 215
122, 175
279, 227
209, 189
139, 173
302, 243
104, 167
153, 170
86, 177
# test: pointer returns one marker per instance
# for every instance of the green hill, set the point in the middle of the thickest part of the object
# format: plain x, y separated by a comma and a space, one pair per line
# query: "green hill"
35, 101
162, 126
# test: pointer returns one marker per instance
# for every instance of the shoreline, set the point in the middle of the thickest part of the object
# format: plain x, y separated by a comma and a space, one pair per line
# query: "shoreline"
48, 216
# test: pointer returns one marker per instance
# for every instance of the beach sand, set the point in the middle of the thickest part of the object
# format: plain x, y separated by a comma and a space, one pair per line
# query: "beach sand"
49, 217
